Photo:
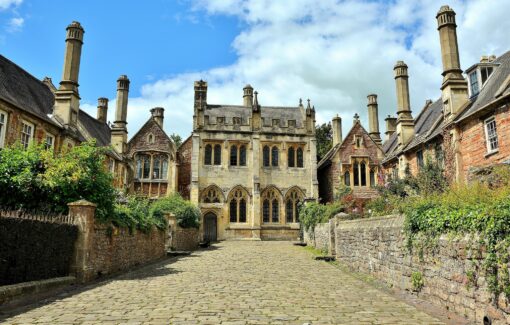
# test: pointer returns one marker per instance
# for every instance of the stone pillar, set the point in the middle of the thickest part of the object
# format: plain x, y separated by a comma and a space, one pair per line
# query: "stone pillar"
102, 109
336, 126
195, 163
256, 212
119, 129
391, 126
83, 213
314, 190
405, 121
373, 118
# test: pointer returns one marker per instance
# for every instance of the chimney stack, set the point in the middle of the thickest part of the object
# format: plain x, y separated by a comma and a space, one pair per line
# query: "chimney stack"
405, 121
119, 130
102, 109
336, 126
158, 114
248, 96
391, 126
200, 104
373, 118
454, 88
67, 98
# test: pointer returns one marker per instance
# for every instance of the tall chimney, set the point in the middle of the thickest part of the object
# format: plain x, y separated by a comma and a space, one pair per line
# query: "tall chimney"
119, 130
67, 98
391, 126
102, 109
248, 96
454, 88
373, 118
200, 104
405, 121
336, 126
158, 114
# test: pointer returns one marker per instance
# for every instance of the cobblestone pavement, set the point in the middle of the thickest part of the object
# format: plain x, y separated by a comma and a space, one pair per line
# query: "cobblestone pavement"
231, 283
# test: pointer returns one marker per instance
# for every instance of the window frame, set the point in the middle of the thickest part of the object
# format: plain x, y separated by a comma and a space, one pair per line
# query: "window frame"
489, 137
3, 127
52, 142
213, 154
238, 200
473, 82
239, 153
22, 133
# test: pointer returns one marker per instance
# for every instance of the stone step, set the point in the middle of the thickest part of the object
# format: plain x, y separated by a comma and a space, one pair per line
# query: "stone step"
177, 253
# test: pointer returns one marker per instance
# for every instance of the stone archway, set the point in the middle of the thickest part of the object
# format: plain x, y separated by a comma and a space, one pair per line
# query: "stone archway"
210, 227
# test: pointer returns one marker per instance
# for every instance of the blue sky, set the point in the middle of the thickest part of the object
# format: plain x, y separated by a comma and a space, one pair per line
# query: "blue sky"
334, 52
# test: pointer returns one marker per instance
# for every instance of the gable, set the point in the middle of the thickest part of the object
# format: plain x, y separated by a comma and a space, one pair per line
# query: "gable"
160, 140
349, 147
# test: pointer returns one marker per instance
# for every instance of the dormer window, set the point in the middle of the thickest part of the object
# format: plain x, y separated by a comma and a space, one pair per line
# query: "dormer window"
473, 83
478, 76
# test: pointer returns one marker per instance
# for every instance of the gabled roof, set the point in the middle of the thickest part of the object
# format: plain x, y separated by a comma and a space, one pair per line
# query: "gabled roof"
145, 125
326, 160
25, 91
496, 86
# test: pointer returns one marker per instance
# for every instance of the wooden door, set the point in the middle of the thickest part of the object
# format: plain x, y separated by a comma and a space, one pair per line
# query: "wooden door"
210, 227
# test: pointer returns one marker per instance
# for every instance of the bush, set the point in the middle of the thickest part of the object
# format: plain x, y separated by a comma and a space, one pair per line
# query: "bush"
186, 213
136, 214
313, 213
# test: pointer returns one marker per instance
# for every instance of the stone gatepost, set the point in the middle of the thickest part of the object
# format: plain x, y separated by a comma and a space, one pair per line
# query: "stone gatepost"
83, 213
170, 232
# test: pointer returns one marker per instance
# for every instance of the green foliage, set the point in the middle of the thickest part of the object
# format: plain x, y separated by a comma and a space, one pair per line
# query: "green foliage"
135, 213
186, 213
417, 281
313, 213
176, 139
324, 136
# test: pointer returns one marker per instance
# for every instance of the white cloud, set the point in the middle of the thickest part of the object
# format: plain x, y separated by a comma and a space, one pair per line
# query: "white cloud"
6, 4
333, 52
15, 24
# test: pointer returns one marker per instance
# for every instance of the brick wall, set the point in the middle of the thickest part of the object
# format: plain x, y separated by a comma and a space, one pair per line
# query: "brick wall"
377, 246
184, 169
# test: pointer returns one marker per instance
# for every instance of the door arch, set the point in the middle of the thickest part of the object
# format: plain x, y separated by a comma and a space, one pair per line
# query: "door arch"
210, 227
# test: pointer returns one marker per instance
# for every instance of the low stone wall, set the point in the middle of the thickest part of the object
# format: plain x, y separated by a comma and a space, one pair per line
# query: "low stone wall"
185, 239
322, 237
118, 249
450, 278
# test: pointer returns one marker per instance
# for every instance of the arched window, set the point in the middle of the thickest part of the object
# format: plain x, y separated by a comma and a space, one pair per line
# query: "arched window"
265, 156
271, 205
208, 155
212, 194
156, 167
274, 156
242, 155
237, 205
294, 196
291, 157
363, 172
150, 138
347, 178
146, 166
164, 168
372, 177
139, 166
233, 155
217, 154
299, 157
355, 170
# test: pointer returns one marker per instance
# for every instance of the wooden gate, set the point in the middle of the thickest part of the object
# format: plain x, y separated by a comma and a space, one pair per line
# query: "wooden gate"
210, 227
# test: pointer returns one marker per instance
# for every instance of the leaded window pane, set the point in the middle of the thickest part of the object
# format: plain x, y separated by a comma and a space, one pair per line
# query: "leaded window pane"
164, 168
275, 211
265, 210
347, 179
363, 174
372, 178
146, 166
156, 167
289, 211
492, 136
233, 156
208, 155
242, 210
233, 210
291, 157
265, 154
356, 174
139, 164
274, 157
300, 157
217, 154
242, 156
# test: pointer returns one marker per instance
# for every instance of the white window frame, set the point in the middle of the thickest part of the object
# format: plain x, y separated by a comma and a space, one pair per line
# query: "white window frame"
31, 134
478, 82
488, 138
52, 142
3, 129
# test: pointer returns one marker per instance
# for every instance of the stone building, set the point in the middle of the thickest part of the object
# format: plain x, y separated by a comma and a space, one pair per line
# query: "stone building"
153, 159
353, 161
466, 129
251, 165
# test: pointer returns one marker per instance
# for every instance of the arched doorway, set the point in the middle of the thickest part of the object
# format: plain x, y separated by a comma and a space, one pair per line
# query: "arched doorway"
210, 227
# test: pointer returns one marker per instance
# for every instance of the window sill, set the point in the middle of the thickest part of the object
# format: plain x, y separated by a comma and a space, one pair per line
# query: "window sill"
148, 180
280, 226
491, 153
237, 167
239, 226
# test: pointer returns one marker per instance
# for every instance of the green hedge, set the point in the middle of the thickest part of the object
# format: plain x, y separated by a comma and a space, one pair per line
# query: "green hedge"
186, 213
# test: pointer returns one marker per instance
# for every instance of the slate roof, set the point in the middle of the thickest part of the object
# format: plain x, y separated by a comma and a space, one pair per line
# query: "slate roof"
267, 113
25, 91
95, 129
496, 86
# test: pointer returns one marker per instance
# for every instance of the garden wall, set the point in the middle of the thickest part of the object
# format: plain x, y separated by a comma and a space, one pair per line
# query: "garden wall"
322, 238
451, 277
181, 239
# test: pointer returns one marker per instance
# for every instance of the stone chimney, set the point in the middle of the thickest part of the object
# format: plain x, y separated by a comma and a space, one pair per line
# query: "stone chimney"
200, 104
248, 96
373, 118
119, 129
405, 121
102, 109
67, 98
158, 114
336, 126
454, 88
391, 126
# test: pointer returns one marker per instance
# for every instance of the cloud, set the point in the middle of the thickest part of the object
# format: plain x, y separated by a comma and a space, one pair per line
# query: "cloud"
15, 24
333, 52
6, 4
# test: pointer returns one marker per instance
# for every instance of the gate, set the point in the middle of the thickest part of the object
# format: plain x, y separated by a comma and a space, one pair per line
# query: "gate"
210, 227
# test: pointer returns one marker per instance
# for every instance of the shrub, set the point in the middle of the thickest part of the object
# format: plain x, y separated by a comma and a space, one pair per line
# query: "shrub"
135, 213
186, 213
417, 281
313, 213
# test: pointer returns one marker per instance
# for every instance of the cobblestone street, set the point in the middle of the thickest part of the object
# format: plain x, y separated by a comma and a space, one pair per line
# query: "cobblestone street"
231, 283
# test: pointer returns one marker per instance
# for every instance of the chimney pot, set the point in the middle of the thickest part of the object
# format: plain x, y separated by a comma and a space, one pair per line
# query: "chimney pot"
102, 109
158, 114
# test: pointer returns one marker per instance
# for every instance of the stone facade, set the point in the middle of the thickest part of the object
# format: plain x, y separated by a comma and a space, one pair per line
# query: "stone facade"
321, 238
250, 166
184, 168
377, 246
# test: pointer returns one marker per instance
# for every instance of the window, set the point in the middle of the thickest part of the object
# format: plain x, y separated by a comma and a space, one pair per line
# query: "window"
150, 138
347, 179
265, 156
27, 133
208, 155
237, 205
274, 156
372, 177
358, 141
291, 157
363, 173
491, 134
419, 158
439, 154
111, 165
164, 167
299, 157
242, 155
146, 166
217, 154
139, 164
49, 141
233, 156
292, 204
485, 72
156, 161
212, 194
473, 83
355, 170
3, 127
271, 206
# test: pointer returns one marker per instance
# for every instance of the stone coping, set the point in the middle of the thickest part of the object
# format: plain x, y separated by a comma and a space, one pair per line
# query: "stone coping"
390, 221
21, 290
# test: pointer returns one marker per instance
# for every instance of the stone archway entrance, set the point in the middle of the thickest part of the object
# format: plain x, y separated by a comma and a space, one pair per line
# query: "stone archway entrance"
210, 227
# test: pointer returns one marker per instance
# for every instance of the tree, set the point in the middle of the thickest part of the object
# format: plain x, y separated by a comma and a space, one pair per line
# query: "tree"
324, 135
176, 139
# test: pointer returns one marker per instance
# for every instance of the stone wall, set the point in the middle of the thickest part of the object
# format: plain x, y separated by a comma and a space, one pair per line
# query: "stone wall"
322, 238
184, 170
377, 246
181, 239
